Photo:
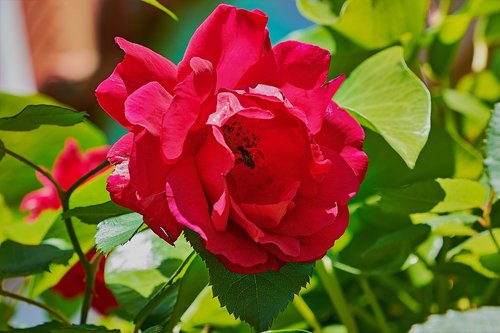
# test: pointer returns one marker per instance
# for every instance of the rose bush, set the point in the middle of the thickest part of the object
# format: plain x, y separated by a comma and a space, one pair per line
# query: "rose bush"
241, 143
69, 166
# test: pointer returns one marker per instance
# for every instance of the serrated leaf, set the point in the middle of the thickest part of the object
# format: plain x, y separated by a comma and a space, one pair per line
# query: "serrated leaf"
492, 160
34, 116
387, 97
96, 213
254, 298
439, 196
158, 5
20, 260
116, 231
484, 320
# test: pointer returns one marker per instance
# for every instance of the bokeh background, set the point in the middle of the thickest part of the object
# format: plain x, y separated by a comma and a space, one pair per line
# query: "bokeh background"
65, 48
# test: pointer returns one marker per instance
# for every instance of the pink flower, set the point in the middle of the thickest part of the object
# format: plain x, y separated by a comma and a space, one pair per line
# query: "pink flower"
240, 142
73, 285
69, 166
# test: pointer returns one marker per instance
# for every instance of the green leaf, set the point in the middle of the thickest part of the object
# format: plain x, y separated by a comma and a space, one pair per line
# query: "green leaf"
2, 151
492, 160
476, 248
377, 24
318, 11
193, 282
399, 241
287, 331
20, 260
17, 179
157, 4
33, 116
145, 262
491, 262
96, 213
439, 196
387, 97
57, 327
316, 35
254, 298
484, 320
476, 112
116, 231
452, 224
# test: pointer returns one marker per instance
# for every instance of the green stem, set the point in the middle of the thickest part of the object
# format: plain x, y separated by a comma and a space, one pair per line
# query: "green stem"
53, 312
442, 279
36, 167
86, 177
399, 289
487, 218
89, 271
160, 295
307, 314
332, 286
490, 291
374, 304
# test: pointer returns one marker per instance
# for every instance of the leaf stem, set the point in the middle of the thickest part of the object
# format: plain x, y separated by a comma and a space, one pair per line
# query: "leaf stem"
306, 312
32, 165
374, 304
329, 280
50, 310
85, 177
156, 300
486, 218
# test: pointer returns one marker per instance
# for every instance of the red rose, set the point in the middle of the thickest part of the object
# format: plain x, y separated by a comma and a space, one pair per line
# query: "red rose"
70, 166
240, 142
73, 285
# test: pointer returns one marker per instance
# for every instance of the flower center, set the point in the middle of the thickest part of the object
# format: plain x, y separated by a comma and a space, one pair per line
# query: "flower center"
241, 141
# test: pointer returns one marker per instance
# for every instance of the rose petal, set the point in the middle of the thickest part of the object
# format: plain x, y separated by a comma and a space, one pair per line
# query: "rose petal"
314, 247
232, 40
306, 218
300, 71
146, 106
139, 67
189, 95
118, 183
343, 134
187, 203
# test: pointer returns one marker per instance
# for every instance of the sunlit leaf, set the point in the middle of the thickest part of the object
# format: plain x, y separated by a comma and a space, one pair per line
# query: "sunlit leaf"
116, 231
376, 24
388, 98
